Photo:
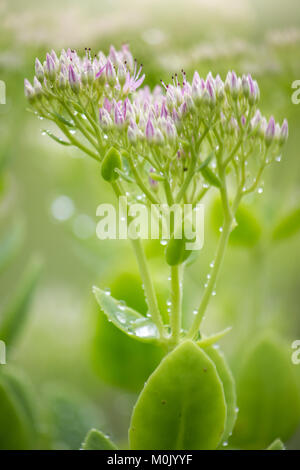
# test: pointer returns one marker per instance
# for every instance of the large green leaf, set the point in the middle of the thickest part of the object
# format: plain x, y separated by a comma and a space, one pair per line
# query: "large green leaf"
182, 405
268, 394
125, 318
228, 382
96, 440
288, 226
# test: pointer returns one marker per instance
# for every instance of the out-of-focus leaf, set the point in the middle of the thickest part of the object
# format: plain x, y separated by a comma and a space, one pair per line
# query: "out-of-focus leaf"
70, 416
138, 360
18, 425
228, 382
125, 318
182, 406
287, 226
268, 394
276, 445
13, 318
96, 440
10, 244
248, 230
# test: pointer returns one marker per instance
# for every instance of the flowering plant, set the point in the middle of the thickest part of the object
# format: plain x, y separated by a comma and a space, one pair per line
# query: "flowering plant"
168, 146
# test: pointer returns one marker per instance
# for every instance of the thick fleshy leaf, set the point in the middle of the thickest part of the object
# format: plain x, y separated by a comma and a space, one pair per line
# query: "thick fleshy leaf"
268, 394
125, 318
96, 440
228, 382
276, 445
182, 405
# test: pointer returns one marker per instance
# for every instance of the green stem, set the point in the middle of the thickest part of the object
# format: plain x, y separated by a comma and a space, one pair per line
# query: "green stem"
148, 285
212, 281
175, 319
145, 275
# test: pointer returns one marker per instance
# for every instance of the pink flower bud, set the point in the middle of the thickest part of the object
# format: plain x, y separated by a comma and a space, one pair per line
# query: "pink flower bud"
110, 73
284, 132
28, 90
73, 80
50, 68
38, 89
149, 130
39, 71
270, 131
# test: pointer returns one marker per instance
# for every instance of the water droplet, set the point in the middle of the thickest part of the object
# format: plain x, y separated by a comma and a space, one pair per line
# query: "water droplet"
237, 409
278, 159
84, 117
225, 444
205, 186
146, 331
208, 276
205, 285
122, 305
195, 311
212, 264
260, 190
169, 303
44, 133
163, 242
221, 229
72, 131
41, 118
214, 293
107, 291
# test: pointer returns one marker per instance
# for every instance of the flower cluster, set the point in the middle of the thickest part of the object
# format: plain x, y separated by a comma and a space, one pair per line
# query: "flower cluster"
117, 72
186, 135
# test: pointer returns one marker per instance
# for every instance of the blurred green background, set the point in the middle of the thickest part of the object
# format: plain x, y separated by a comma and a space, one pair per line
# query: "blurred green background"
81, 372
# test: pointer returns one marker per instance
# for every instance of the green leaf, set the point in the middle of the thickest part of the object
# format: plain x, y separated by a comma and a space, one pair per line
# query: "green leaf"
204, 342
13, 318
138, 359
182, 406
228, 382
18, 420
287, 226
125, 318
10, 243
268, 394
54, 137
276, 445
210, 177
111, 162
248, 230
96, 440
